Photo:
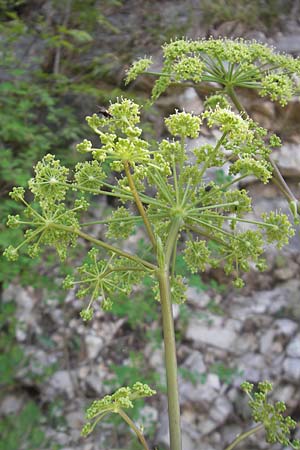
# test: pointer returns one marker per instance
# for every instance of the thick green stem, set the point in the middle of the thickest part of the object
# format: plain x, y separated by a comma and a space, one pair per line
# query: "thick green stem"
244, 435
170, 361
169, 340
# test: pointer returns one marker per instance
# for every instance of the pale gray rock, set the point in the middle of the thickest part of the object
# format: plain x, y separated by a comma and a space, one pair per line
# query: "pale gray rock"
60, 382
293, 349
190, 101
287, 272
195, 362
94, 381
59, 437
206, 425
289, 43
284, 393
40, 360
176, 310
94, 345
11, 404
221, 409
187, 442
266, 342
291, 368
230, 432
201, 394
217, 335
163, 436
148, 416
251, 366
197, 297
75, 419
285, 326
25, 302
83, 371
288, 159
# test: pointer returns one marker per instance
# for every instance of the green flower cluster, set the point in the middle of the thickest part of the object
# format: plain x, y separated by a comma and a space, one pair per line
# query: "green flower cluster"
278, 428
208, 213
123, 398
196, 255
183, 125
102, 280
121, 223
48, 221
229, 63
137, 68
279, 229
89, 176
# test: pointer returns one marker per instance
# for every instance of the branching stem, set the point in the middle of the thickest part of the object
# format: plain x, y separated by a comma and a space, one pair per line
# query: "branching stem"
244, 436
107, 247
139, 204
132, 425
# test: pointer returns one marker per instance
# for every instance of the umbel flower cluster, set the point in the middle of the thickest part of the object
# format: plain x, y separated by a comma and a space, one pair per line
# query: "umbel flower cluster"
122, 399
209, 215
230, 63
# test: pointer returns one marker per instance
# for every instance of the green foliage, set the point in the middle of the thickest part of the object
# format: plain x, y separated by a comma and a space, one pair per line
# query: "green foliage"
38, 100
11, 354
264, 14
226, 374
23, 431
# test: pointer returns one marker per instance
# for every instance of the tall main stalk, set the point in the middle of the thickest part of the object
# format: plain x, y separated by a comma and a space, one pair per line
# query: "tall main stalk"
169, 339
164, 256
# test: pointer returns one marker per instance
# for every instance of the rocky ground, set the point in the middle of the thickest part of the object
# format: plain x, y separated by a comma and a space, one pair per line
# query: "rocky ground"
224, 335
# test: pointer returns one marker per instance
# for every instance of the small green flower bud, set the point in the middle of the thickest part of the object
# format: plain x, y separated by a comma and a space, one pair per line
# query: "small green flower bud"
11, 253
86, 429
68, 282
13, 221
238, 283
86, 314
17, 193
84, 146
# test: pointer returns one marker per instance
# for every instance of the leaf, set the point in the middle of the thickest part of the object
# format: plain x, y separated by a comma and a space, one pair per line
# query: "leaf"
80, 36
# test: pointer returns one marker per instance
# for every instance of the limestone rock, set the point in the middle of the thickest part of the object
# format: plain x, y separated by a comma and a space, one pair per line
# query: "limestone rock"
293, 349
291, 368
94, 345
217, 335
288, 160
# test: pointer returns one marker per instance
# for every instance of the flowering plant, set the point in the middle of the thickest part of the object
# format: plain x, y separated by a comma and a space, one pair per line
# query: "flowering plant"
164, 188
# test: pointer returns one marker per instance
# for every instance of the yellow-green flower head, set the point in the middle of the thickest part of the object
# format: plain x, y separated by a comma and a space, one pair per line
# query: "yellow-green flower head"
183, 124
278, 86
122, 399
228, 121
138, 67
189, 68
49, 183
125, 112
